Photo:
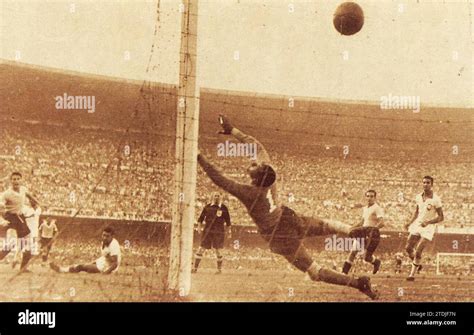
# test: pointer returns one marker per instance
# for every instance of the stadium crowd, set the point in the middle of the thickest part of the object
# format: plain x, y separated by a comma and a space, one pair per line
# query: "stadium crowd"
129, 176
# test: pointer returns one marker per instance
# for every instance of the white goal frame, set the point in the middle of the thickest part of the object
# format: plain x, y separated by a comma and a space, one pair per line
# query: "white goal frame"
449, 254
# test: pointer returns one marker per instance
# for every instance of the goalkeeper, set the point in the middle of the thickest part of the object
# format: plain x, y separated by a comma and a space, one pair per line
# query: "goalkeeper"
279, 225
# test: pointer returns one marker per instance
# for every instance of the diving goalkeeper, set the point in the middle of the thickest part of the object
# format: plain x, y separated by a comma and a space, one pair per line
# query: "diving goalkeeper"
279, 225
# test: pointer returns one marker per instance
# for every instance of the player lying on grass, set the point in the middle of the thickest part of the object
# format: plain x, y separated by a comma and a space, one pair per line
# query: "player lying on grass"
108, 262
279, 225
368, 229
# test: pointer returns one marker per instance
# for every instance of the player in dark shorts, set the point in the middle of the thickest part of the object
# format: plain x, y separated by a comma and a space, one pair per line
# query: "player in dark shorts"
398, 262
371, 238
215, 215
279, 225
366, 233
48, 231
13, 200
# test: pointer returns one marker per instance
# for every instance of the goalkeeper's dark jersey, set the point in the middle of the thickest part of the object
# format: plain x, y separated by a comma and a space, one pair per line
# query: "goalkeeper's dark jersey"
261, 202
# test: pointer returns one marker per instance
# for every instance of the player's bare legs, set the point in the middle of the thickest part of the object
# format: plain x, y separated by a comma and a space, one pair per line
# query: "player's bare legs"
371, 238
412, 242
350, 260
18, 246
11, 244
417, 258
410, 246
25, 243
16, 252
89, 268
45, 250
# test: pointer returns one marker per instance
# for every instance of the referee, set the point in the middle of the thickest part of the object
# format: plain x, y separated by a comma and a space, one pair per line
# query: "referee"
217, 220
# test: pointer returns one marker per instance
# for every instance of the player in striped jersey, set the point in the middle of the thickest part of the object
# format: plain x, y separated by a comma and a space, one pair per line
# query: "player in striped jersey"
13, 200
368, 229
279, 225
48, 231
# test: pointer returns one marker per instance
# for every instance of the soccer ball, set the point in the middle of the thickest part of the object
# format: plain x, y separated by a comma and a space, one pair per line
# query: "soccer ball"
348, 18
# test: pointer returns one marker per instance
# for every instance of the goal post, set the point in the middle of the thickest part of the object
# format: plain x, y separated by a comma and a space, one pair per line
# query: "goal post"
182, 225
467, 260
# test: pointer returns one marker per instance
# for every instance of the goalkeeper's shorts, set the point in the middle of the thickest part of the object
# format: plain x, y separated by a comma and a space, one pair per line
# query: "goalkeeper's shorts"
286, 238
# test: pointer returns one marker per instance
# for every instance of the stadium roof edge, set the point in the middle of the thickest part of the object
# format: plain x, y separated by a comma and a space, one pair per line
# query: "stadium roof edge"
77, 73
318, 99
212, 90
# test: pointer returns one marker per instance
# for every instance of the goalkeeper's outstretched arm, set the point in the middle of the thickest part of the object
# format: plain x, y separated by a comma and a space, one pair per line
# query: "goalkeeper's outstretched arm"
234, 188
262, 154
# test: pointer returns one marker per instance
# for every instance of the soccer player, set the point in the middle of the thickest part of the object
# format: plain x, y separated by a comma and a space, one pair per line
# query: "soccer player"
422, 226
32, 216
48, 231
279, 225
13, 200
367, 229
215, 215
108, 262
398, 262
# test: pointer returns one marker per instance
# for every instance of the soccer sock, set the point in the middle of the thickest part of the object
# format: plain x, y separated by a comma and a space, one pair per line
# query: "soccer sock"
25, 259
413, 269
346, 267
333, 277
330, 276
197, 261
219, 262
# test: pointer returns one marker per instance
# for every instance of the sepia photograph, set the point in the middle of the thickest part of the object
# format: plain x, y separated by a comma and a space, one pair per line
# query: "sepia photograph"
237, 151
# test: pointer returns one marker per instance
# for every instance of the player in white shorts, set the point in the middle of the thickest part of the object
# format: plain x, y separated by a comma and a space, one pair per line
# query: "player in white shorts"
368, 231
32, 217
108, 262
422, 226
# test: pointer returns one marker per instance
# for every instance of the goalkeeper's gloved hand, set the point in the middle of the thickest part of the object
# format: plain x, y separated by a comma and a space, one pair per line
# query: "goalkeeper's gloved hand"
225, 124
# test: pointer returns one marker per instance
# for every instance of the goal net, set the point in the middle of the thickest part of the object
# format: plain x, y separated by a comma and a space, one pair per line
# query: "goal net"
448, 263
